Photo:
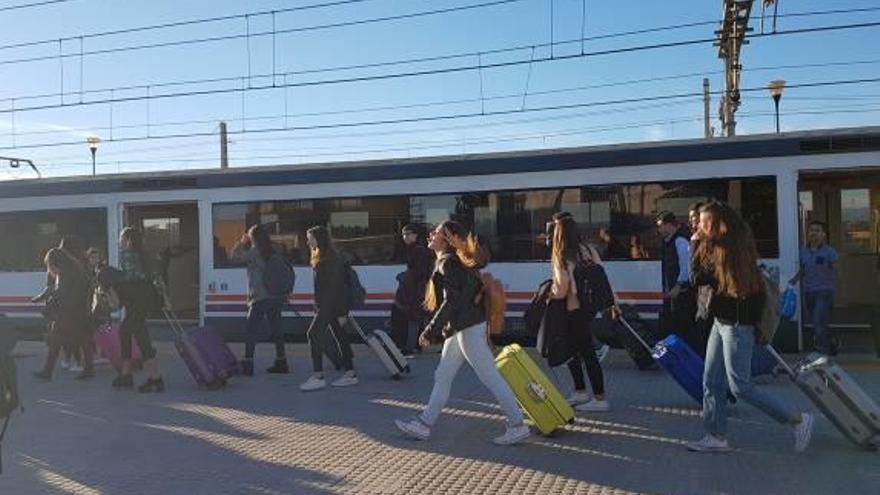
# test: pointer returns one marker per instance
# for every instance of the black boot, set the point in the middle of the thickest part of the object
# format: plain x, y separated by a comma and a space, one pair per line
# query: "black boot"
123, 381
152, 385
280, 367
247, 367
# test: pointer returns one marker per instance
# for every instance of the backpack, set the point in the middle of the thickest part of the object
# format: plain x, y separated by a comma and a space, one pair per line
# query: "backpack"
494, 299
278, 276
356, 294
593, 289
770, 318
9, 400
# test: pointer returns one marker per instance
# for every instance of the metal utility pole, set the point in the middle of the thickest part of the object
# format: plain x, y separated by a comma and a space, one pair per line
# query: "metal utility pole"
707, 128
731, 37
224, 155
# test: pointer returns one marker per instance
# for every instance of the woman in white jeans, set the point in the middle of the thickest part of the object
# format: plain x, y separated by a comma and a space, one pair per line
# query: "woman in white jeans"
459, 321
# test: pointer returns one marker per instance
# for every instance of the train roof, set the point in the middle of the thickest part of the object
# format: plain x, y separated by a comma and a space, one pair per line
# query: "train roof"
616, 155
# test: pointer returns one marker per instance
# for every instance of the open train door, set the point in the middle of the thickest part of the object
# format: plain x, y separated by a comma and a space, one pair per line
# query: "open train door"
171, 235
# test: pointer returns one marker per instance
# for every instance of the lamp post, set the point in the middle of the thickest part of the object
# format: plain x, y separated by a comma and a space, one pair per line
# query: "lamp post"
776, 87
93, 147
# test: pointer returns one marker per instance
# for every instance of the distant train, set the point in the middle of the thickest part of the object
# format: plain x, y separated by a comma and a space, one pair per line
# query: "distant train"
191, 219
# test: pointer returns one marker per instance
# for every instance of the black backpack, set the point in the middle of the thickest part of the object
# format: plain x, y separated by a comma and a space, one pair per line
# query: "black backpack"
9, 400
356, 295
278, 276
593, 289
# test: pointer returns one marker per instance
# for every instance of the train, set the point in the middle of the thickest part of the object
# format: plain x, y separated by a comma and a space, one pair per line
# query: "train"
192, 218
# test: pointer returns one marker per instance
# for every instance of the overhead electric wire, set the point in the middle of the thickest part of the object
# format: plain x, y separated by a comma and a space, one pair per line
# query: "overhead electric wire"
426, 72
23, 6
230, 37
458, 143
190, 22
438, 118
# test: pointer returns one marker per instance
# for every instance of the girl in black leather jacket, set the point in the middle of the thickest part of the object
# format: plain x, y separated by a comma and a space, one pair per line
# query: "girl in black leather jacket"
459, 321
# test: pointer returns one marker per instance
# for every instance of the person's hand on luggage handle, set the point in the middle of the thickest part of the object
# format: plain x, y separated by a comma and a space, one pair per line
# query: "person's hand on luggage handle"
424, 341
615, 312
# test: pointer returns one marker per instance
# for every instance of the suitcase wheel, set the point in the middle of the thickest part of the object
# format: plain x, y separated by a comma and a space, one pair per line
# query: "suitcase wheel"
395, 376
406, 368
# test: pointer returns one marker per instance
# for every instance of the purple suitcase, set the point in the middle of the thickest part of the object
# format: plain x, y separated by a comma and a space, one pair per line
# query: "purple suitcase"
209, 359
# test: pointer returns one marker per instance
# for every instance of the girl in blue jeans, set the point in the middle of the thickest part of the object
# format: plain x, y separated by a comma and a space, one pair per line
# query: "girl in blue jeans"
727, 261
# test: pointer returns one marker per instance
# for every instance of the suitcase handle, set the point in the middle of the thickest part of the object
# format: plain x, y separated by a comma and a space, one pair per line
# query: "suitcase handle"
635, 334
788, 369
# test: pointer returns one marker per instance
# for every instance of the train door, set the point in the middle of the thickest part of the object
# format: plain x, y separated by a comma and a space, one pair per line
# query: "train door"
171, 235
849, 203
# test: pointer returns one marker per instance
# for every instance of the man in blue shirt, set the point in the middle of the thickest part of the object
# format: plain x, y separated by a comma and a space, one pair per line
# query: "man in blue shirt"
818, 276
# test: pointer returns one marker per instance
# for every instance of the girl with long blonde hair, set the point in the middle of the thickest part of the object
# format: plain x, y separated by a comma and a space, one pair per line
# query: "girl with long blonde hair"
727, 262
459, 322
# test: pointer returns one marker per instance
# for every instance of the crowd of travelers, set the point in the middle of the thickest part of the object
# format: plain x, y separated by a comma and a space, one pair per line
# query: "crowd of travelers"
713, 297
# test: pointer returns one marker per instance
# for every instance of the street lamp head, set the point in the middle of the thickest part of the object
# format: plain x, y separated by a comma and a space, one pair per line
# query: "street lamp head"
776, 87
93, 142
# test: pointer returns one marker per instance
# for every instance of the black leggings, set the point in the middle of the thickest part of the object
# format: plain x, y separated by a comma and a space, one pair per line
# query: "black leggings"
134, 325
270, 310
580, 337
326, 335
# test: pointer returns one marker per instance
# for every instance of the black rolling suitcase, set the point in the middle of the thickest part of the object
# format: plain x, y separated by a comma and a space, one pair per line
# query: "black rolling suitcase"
637, 351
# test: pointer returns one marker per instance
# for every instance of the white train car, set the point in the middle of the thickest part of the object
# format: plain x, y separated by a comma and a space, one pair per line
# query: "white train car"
192, 218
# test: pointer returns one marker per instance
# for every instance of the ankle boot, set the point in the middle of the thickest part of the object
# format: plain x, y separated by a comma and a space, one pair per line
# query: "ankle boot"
280, 367
152, 385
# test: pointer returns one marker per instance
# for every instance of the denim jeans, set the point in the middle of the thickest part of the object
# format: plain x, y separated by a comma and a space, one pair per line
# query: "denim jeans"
470, 345
818, 305
729, 363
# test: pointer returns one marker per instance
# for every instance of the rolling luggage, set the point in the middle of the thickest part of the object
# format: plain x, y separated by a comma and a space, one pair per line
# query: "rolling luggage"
678, 359
107, 338
839, 398
536, 394
208, 358
637, 351
385, 349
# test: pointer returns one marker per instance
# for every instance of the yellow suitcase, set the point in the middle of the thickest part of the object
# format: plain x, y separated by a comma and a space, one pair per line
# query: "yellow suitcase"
536, 394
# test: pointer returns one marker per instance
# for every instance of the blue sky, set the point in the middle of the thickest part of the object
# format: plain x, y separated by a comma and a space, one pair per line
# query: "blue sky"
520, 23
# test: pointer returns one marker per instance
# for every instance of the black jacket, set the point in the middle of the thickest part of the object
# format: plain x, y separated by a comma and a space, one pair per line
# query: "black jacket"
68, 302
456, 288
744, 310
330, 286
669, 261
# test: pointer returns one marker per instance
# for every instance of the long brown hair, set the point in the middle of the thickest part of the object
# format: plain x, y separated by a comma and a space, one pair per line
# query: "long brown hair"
730, 249
324, 250
566, 240
466, 247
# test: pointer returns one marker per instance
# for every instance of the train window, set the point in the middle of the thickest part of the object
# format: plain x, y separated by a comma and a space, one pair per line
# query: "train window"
38, 231
367, 230
618, 220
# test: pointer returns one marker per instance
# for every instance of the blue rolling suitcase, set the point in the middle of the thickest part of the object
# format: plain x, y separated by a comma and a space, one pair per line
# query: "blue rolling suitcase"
678, 359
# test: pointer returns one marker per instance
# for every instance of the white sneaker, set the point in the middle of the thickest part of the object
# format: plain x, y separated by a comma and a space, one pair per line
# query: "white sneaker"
65, 364
315, 382
803, 432
101, 361
594, 405
602, 352
578, 397
413, 428
709, 443
75, 368
346, 380
513, 435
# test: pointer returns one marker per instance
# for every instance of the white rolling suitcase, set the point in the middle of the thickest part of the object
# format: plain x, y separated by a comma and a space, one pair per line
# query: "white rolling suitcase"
385, 349
839, 398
